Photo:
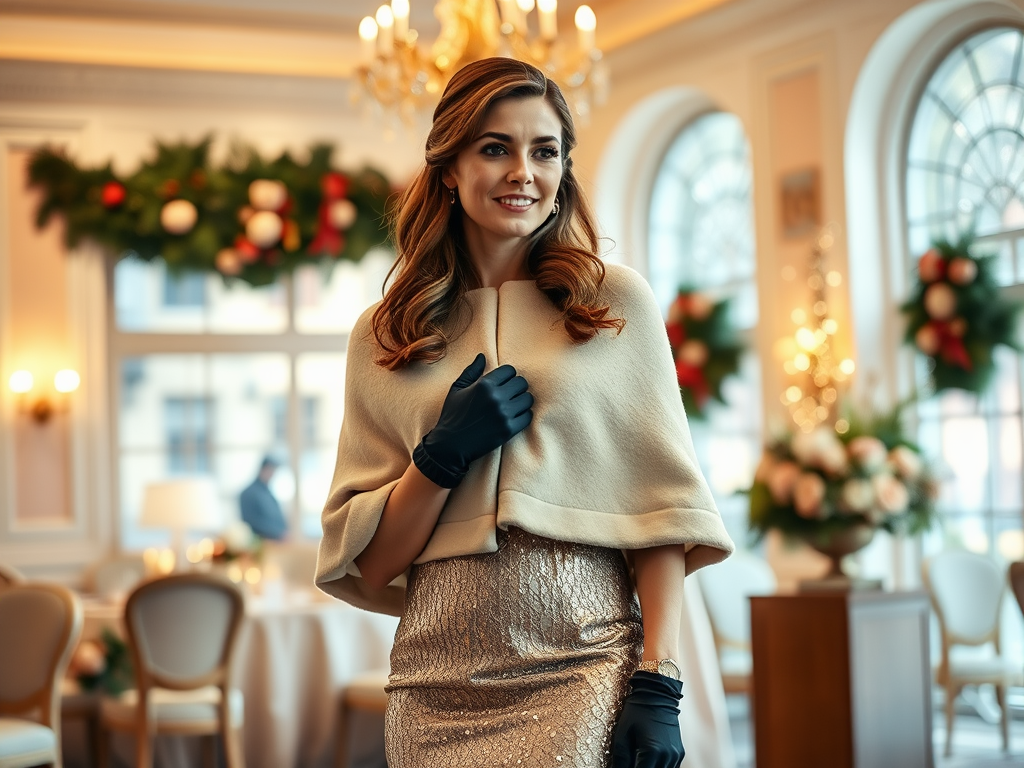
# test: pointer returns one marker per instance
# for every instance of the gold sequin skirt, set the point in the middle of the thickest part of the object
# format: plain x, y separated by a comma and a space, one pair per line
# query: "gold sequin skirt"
520, 657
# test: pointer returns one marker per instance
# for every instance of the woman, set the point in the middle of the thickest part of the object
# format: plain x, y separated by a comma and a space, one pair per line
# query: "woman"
513, 444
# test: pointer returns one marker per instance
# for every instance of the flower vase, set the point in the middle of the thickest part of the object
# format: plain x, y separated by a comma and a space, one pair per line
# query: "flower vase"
836, 545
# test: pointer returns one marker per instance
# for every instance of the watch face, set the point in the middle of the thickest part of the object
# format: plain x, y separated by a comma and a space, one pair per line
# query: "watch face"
668, 668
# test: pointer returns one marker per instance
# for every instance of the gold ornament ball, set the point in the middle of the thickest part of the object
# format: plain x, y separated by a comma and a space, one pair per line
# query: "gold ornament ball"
694, 353
228, 261
178, 217
264, 229
940, 301
267, 195
927, 339
342, 214
700, 306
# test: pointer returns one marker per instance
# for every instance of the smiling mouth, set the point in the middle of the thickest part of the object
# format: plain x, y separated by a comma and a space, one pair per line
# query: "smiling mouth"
516, 202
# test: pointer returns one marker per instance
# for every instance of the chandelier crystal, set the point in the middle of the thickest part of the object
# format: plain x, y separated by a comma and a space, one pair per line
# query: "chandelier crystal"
406, 78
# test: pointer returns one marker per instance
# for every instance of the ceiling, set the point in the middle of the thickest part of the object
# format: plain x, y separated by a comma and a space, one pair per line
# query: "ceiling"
286, 37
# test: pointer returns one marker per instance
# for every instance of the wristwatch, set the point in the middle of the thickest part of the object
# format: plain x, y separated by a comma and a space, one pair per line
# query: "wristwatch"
666, 667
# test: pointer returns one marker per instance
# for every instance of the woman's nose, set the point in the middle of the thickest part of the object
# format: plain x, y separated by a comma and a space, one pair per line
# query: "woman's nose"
521, 173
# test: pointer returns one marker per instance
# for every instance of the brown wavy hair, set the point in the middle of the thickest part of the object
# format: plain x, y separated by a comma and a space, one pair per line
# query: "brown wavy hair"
416, 319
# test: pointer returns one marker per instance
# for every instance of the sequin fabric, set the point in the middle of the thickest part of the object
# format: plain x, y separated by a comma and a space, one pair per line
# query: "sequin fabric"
515, 658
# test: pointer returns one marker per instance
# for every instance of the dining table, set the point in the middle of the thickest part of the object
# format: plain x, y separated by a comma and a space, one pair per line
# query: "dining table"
295, 652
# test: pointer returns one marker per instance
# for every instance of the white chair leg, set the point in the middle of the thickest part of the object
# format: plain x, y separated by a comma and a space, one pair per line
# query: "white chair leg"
1004, 719
951, 694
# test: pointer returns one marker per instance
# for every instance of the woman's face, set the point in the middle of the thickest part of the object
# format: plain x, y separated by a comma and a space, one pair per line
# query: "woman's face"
508, 175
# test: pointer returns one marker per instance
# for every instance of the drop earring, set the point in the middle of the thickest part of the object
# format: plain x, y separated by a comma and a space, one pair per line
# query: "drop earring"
451, 195
554, 211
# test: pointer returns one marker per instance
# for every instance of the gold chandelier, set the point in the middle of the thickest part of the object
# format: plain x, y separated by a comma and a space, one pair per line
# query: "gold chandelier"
404, 77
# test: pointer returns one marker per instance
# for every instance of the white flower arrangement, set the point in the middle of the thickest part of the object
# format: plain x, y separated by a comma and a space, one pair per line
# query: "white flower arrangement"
820, 481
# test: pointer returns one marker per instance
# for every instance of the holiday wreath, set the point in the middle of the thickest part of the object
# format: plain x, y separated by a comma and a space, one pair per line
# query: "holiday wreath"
956, 316
705, 347
250, 219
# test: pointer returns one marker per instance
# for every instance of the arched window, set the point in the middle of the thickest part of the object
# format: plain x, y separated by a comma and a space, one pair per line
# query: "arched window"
965, 170
701, 235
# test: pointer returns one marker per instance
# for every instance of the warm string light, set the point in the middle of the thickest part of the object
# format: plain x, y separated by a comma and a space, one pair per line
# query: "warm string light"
815, 374
404, 77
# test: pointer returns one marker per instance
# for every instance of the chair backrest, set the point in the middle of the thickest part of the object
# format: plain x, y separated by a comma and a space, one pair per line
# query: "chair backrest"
1017, 582
40, 625
727, 587
115, 576
9, 576
182, 630
966, 591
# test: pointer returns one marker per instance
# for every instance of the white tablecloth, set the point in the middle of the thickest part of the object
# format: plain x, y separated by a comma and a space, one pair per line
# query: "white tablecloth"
293, 657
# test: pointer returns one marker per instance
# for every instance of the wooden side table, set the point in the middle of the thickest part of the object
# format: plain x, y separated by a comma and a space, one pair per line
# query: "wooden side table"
842, 679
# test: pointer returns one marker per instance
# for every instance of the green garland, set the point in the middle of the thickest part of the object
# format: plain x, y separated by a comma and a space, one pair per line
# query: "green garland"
195, 216
705, 347
956, 316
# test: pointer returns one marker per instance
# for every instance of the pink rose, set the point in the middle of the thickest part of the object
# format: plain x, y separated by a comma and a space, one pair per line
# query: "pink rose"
89, 658
867, 452
833, 459
781, 481
809, 448
808, 493
857, 495
905, 462
892, 495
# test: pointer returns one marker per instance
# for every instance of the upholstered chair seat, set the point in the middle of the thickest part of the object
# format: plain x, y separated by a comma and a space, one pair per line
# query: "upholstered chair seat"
24, 743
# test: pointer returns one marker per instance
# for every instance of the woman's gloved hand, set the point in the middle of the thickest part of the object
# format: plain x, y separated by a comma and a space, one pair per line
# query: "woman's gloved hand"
479, 414
647, 732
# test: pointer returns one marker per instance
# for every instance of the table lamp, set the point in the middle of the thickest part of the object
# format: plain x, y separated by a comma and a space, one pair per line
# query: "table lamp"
182, 504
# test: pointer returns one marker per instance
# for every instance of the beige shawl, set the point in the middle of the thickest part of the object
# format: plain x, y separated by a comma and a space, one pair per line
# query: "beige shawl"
608, 459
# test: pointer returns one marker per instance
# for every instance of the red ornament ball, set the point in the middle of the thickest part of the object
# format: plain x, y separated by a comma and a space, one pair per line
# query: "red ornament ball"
334, 185
113, 195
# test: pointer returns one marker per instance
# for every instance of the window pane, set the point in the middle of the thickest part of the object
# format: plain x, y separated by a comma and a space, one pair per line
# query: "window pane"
965, 171
320, 379
332, 302
148, 299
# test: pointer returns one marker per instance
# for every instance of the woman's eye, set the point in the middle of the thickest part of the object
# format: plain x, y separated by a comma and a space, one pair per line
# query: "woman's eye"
548, 153
493, 149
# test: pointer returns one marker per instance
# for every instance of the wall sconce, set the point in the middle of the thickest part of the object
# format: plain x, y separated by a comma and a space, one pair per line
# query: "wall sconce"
42, 407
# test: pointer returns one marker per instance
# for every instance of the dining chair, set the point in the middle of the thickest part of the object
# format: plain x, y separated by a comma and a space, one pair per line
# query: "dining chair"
182, 631
115, 576
966, 591
727, 588
366, 693
9, 576
1016, 574
39, 627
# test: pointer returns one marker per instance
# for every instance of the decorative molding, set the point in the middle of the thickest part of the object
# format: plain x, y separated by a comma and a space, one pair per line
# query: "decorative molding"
33, 82
49, 547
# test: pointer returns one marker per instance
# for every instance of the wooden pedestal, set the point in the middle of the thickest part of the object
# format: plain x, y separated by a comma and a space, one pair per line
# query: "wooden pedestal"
842, 680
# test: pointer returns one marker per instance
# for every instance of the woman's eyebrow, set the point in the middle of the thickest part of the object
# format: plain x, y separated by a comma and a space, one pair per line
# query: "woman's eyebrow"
508, 139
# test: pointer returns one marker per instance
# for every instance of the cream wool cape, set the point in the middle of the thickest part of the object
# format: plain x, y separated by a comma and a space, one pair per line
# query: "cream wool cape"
607, 460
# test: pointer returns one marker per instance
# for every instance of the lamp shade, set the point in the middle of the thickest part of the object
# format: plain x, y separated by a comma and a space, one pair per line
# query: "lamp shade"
188, 503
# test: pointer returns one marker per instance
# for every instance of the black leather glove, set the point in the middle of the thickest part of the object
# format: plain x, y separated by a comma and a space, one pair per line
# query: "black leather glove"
647, 732
478, 415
